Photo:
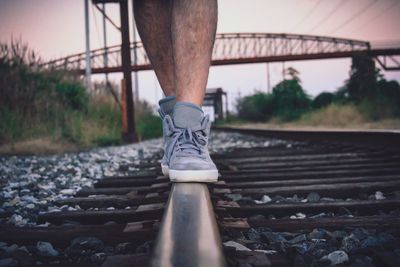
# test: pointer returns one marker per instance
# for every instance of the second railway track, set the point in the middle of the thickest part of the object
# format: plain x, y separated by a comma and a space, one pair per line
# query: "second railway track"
295, 203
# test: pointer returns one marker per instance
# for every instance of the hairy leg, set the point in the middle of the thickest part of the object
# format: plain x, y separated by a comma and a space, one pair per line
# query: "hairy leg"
193, 28
153, 20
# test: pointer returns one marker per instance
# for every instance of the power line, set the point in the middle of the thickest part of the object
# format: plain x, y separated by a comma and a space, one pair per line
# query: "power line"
392, 5
304, 18
359, 13
333, 11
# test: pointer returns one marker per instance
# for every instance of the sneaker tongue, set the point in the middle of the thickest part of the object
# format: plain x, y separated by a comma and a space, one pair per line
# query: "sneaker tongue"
187, 115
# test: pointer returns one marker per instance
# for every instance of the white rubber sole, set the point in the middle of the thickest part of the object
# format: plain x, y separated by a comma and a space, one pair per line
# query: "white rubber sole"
165, 170
197, 176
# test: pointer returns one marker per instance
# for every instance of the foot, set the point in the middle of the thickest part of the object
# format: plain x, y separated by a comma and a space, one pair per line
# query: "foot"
186, 150
166, 108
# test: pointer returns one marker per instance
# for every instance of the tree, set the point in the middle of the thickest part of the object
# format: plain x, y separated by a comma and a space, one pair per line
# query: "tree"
290, 99
362, 83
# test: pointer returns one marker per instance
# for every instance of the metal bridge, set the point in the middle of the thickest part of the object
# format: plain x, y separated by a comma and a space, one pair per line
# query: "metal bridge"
241, 48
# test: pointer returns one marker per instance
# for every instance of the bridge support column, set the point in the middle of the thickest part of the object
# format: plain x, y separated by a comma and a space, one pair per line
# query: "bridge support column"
129, 132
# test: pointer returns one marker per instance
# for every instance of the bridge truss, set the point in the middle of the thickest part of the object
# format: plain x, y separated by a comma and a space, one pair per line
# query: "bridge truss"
240, 48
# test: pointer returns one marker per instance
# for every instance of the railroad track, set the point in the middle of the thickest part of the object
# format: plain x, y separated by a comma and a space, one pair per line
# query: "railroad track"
289, 204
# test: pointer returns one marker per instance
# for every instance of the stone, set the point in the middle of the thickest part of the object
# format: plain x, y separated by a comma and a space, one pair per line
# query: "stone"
236, 245
298, 239
272, 237
234, 197
146, 247
264, 199
350, 243
253, 235
67, 192
46, 249
303, 247
23, 257
379, 195
84, 245
337, 257
98, 257
17, 220
317, 234
313, 197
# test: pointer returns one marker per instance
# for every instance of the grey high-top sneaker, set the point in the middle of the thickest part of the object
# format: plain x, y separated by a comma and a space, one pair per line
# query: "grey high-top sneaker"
186, 136
167, 105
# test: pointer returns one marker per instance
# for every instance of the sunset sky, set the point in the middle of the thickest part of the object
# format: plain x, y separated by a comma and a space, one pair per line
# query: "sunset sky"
55, 28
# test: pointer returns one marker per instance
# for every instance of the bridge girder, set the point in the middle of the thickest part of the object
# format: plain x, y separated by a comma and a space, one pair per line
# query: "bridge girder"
231, 48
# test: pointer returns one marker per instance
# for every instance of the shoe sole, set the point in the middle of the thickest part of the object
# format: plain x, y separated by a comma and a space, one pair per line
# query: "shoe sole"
195, 176
165, 170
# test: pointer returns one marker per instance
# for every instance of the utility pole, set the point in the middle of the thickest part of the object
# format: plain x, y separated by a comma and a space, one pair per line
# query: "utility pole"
88, 69
129, 133
268, 80
136, 76
105, 58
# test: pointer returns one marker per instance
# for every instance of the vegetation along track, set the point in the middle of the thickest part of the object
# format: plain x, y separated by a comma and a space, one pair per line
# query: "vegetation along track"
330, 199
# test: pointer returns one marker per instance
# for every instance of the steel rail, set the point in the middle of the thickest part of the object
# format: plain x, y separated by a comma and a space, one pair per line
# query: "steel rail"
389, 139
188, 234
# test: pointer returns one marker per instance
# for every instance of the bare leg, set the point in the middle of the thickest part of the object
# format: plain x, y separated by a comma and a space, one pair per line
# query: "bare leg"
153, 20
193, 28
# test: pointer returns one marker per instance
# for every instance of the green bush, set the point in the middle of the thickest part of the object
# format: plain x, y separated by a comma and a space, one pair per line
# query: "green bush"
257, 107
148, 126
72, 94
290, 100
322, 100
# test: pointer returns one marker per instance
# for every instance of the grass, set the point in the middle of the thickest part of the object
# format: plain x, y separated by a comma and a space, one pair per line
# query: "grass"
99, 125
334, 116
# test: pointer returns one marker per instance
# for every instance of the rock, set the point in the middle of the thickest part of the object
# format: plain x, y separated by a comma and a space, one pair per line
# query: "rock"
8, 262
236, 245
23, 257
317, 234
46, 249
339, 234
379, 195
67, 192
370, 242
146, 247
264, 199
17, 220
84, 245
313, 197
303, 247
124, 248
272, 237
350, 243
337, 257
30, 206
98, 257
298, 239
234, 197
253, 235
384, 238
360, 233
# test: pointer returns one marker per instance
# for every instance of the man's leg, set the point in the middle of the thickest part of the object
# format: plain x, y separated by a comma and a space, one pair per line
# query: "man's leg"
153, 20
193, 27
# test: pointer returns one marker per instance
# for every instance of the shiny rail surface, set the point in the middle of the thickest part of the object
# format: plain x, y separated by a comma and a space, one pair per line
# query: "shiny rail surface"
188, 234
